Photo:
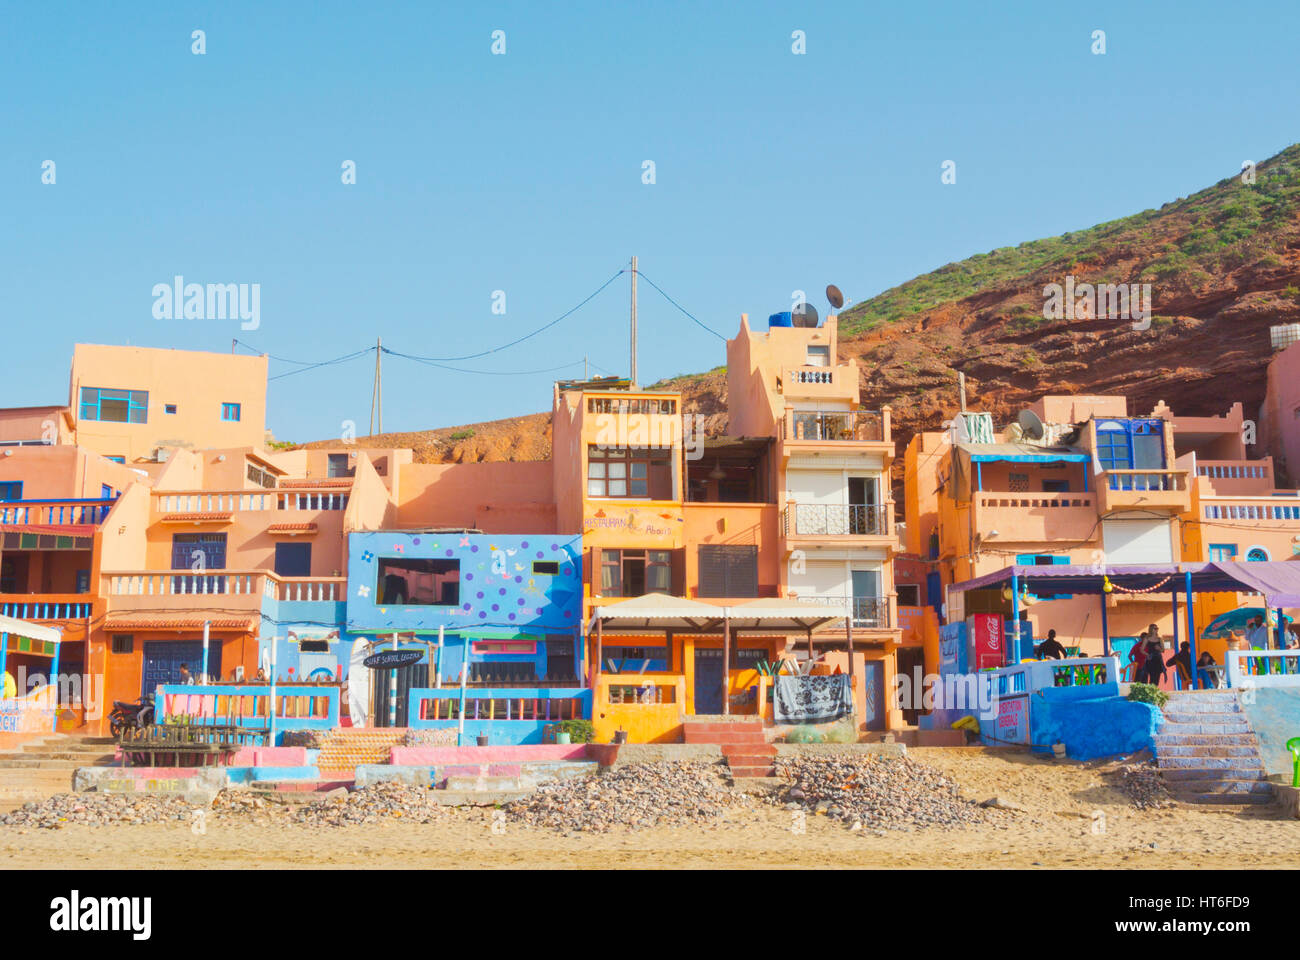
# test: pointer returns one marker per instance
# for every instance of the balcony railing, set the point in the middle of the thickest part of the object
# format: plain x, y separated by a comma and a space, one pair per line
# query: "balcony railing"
997, 499
1143, 481
836, 520
857, 425
245, 501
160, 583
866, 612
306, 589
1258, 509
51, 606
54, 513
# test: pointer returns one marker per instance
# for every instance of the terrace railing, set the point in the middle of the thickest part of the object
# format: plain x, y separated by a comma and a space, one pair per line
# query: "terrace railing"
50, 606
305, 707
248, 501
306, 589
1263, 668
856, 425
164, 583
836, 520
1147, 480
54, 513
1258, 508
866, 612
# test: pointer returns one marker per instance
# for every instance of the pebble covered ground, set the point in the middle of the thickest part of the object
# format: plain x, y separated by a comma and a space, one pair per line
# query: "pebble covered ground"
875, 792
1141, 783
97, 810
635, 796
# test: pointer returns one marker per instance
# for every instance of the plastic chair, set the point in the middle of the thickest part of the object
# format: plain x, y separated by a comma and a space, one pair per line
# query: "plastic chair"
1294, 746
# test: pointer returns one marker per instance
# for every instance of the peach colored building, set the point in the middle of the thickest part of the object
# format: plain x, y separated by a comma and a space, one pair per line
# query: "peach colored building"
127, 402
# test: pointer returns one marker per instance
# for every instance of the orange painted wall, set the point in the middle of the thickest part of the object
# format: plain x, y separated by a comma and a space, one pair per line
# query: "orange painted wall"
197, 383
52, 473
47, 423
733, 524
493, 497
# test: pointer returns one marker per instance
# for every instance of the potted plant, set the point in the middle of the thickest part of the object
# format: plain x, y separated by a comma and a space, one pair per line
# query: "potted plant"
563, 736
483, 739
578, 731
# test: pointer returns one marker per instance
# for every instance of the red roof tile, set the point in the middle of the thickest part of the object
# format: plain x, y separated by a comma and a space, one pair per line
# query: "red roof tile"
146, 621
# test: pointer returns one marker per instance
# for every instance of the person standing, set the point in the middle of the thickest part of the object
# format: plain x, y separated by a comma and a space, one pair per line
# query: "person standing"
1155, 662
1051, 648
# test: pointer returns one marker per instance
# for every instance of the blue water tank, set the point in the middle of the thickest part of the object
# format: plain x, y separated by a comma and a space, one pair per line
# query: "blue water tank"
785, 319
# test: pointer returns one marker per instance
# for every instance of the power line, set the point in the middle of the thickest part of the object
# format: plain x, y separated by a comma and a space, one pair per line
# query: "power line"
680, 307
528, 336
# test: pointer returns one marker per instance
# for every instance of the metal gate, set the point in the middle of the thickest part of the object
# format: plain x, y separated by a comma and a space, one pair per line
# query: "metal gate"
163, 659
416, 675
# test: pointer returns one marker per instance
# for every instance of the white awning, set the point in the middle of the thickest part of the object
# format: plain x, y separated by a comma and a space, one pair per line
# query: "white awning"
658, 611
778, 614
32, 631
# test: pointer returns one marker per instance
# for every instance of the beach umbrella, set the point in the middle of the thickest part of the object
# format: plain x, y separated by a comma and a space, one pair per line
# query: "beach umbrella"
1222, 626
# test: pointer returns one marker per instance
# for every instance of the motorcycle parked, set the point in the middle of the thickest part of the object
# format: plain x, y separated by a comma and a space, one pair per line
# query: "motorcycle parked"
130, 716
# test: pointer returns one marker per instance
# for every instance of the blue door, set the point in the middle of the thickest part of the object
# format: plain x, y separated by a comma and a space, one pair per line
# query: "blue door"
163, 659
873, 698
199, 551
708, 681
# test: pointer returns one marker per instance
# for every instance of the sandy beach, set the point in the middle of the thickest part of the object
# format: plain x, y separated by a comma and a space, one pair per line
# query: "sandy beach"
1072, 817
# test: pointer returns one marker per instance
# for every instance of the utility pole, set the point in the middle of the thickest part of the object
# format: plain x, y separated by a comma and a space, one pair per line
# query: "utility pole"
961, 389
633, 378
377, 394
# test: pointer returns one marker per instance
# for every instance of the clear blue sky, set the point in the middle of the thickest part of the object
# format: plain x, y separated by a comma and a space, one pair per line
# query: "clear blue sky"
522, 172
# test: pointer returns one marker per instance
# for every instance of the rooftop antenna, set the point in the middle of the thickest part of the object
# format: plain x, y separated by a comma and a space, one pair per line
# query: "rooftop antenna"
633, 377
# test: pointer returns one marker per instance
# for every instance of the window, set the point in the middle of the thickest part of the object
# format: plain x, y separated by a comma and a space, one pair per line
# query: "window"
1041, 560
819, 356
634, 573
644, 474
83, 581
630, 405
1223, 551
546, 568
121, 460
198, 552
169, 408
1112, 446
728, 570
909, 595
263, 478
11, 490
313, 646
747, 658
293, 559
123, 643
422, 582
631, 659
230, 411
106, 492
114, 406
1257, 555
1056, 486
338, 466
1018, 482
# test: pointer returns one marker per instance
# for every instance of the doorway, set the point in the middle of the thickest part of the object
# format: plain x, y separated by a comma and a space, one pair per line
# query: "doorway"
163, 659
863, 507
708, 681
415, 675
907, 662
293, 559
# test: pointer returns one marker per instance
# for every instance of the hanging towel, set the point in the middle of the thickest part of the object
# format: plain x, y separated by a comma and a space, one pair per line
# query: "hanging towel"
812, 699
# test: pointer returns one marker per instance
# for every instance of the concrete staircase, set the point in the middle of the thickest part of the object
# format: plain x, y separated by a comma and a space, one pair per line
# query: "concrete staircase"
349, 746
61, 752
1207, 752
746, 750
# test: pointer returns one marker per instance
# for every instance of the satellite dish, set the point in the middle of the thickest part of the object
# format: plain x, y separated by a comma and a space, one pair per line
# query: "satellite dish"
804, 315
834, 297
1030, 425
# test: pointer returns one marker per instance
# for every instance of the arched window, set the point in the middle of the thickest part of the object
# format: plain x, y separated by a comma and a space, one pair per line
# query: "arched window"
1256, 554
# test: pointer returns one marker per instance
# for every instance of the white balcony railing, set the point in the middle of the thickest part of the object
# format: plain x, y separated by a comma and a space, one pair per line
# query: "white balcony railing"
836, 520
247, 501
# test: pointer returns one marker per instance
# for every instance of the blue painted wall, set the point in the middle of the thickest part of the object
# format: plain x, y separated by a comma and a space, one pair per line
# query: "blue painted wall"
498, 586
1091, 726
1275, 717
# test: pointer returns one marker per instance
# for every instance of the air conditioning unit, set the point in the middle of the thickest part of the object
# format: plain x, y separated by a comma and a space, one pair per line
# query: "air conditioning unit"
161, 454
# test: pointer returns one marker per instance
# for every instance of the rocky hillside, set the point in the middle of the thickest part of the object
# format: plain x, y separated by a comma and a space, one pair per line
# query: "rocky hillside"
1223, 264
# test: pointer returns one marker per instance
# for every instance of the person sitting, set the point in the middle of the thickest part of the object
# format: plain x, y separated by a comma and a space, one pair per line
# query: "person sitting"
1209, 678
1182, 662
1050, 648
